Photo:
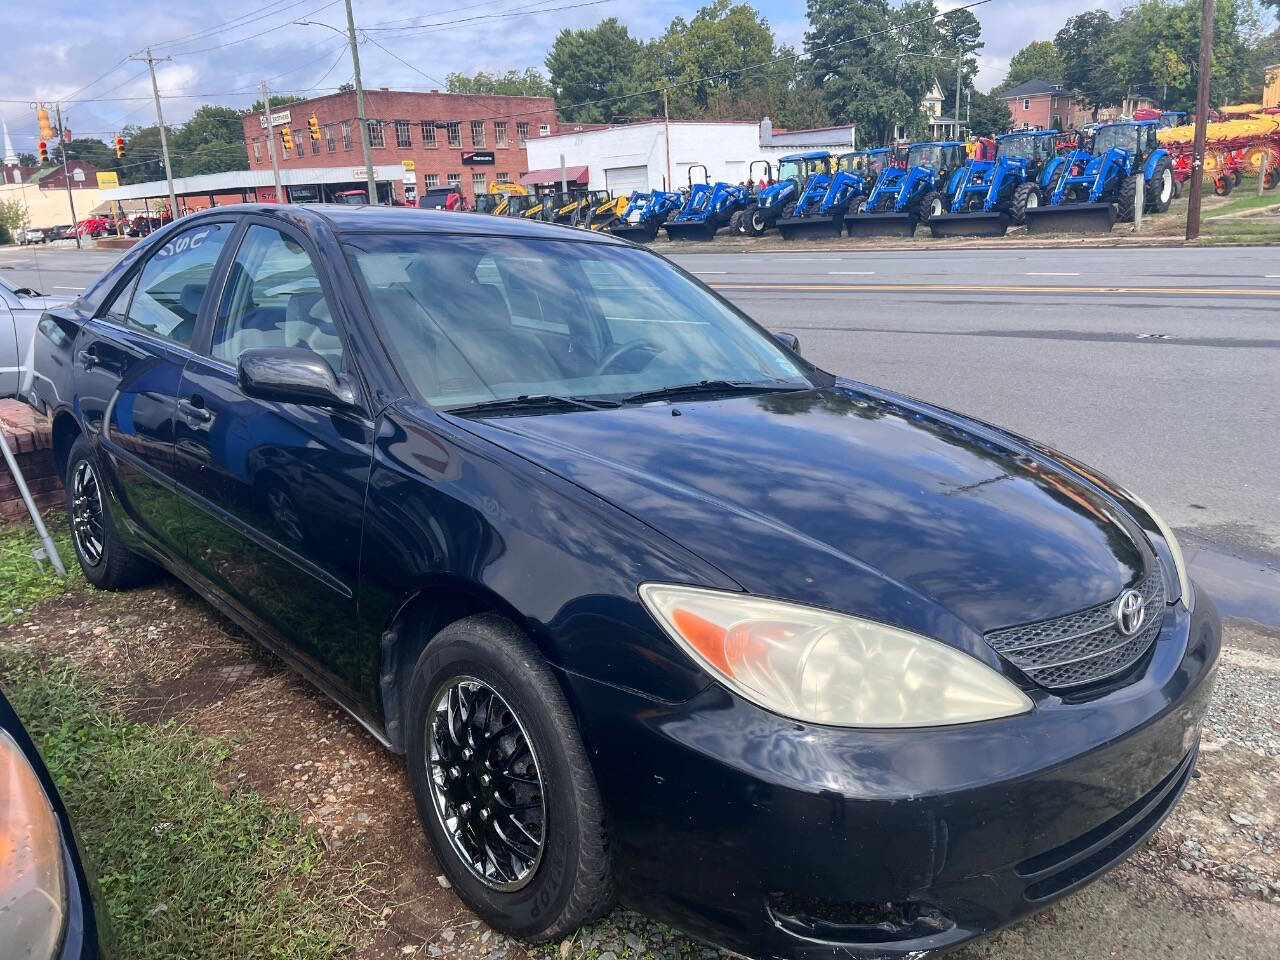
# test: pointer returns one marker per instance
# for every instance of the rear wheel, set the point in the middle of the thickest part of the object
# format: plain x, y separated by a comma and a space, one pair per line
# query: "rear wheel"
1160, 188
788, 211
1237, 178
502, 784
107, 563
1127, 199
1026, 196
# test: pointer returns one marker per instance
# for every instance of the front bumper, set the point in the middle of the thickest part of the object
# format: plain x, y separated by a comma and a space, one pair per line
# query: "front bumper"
779, 839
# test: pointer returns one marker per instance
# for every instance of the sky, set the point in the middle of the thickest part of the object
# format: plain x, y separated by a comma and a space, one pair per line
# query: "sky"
75, 51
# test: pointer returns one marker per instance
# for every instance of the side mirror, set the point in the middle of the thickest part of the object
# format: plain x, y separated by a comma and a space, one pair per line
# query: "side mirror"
788, 340
292, 375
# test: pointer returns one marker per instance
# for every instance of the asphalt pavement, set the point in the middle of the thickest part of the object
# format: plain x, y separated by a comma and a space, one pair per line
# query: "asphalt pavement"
1158, 366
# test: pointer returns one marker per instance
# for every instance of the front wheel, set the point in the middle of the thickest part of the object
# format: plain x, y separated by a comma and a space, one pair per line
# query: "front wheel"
932, 204
107, 563
1222, 185
502, 784
1160, 189
757, 222
1026, 196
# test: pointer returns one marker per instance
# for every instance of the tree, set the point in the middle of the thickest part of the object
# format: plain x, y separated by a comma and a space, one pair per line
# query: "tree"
1038, 60
868, 81
959, 32
802, 108
513, 83
988, 115
13, 218
215, 157
143, 161
277, 100
594, 64
28, 160
1085, 44
91, 151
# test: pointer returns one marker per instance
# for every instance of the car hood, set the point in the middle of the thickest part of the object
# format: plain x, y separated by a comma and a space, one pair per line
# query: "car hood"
43, 303
854, 499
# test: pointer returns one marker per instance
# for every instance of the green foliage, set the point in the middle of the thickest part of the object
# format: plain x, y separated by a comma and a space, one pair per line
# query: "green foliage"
1084, 43
1038, 60
277, 100
13, 217
23, 583
596, 63
513, 83
989, 115
186, 868
959, 32
28, 160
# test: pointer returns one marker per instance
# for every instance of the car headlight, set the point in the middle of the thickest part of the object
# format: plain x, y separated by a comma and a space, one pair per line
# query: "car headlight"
32, 879
1175, 551
829, 668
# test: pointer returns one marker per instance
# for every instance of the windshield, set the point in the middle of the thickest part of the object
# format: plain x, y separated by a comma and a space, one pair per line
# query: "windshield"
1121, 135
924, 155
790, 169
476, 319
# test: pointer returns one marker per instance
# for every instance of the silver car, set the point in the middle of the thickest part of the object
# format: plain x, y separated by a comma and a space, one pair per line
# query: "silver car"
31, 235
20, 310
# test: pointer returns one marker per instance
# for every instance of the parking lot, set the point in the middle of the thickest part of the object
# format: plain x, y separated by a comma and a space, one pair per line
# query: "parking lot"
1157, 366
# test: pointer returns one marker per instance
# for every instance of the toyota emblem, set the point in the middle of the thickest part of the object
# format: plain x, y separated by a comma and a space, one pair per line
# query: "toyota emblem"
1130, 611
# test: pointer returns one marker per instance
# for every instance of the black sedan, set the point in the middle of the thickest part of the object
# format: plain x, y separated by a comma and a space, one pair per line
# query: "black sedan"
46, 903
655, 609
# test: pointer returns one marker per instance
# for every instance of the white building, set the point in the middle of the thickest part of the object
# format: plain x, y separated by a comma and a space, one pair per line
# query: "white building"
633, 156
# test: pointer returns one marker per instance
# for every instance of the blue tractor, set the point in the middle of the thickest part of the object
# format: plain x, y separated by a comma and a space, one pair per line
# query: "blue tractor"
707, 207
646, 211
826, 198
767, 206
903, 198
1092, 190
992, 194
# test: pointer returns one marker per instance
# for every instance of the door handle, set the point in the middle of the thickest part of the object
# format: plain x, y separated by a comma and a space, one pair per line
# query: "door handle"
194, 409
89, 358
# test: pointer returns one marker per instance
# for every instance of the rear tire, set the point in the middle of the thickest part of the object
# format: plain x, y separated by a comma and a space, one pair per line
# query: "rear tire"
107, 563
757, 222
558, 874
1160, 188
1026, 196
1127, 199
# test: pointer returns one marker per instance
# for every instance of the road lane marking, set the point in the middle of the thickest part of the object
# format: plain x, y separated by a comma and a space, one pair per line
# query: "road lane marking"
978, 288
1046, 274
851, 273
56, 287
719, 273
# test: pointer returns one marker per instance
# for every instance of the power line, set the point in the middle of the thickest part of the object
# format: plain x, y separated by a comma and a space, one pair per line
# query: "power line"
254, 36
233, 23
404, 61
527, 11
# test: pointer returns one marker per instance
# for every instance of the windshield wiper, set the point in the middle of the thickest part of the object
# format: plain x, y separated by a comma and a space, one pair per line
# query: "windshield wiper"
711, 386
531, 402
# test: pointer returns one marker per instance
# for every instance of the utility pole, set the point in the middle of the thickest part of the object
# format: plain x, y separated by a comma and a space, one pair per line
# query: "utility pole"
1202, 117
364, 123
271, 144
959, 61
666, 134
62, 143
164, 137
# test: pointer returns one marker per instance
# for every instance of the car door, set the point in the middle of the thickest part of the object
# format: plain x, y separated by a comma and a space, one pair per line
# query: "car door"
128, 360
279, 488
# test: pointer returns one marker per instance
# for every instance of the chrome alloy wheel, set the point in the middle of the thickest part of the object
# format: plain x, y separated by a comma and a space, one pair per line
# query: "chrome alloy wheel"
86, 513
486, 785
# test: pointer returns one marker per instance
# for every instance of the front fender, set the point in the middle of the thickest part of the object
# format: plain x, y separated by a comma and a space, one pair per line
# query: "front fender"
1153, 161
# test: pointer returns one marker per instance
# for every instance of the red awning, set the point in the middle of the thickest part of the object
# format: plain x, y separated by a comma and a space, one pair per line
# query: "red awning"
551, 177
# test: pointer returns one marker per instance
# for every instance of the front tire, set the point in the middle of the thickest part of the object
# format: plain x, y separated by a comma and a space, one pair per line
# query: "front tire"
107, 563
932, 204
502, 783
1160, 191
1127, 199
1026, 196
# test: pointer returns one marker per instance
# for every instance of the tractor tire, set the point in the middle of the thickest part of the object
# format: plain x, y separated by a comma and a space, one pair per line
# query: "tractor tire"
788, 211
736, 224
757, 222
932, 204
856, 206
1237, 178
1159, 191
1222, 186
1026, 196
885, 204
1127, 199
1177, 188
1271, 179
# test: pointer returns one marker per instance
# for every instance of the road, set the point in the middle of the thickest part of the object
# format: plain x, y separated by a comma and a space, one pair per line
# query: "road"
1159, 366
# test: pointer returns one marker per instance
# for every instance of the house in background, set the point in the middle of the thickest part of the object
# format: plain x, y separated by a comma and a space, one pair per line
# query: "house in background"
1040, 105
942, 126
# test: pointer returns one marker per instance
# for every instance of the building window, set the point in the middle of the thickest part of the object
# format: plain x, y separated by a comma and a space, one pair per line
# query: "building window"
478, 182
328, 137
402, 134
455, 134
500, 134
346, 134
257, 151
477, 133
1026, 103
315, 145
432, 180
455, 179
544, 129
299, 144
522, 133
504, 178
375, 133
429, 133
1026, 125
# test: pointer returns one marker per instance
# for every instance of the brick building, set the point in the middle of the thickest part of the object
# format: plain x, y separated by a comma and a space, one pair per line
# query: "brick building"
470, 140
1039, 105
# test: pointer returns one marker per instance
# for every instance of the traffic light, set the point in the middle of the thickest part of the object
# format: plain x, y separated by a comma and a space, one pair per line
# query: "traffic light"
286, 135
314, 125
119, 148
44, 152
46, 128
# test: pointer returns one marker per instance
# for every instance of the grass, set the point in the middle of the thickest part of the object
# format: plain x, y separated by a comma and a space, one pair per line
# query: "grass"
1245, 203
1240, 232
187, 867
23, 583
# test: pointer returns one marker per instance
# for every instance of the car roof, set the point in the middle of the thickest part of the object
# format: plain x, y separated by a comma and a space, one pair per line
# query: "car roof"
362, 218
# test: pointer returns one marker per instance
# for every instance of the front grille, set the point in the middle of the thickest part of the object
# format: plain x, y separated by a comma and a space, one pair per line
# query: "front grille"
1082, 647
